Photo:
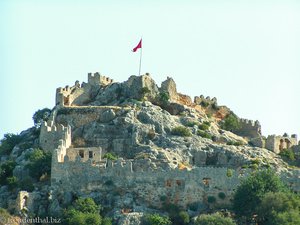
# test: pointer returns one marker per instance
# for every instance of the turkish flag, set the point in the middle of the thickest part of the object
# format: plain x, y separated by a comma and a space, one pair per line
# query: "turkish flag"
138, 46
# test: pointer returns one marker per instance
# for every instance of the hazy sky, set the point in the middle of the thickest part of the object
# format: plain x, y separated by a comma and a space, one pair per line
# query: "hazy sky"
245, 53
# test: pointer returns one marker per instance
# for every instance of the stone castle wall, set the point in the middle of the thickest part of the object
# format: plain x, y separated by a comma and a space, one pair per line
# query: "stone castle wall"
249, 128
181, 187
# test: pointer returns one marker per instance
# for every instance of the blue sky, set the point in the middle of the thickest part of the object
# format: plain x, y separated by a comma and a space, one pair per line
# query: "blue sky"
245, 53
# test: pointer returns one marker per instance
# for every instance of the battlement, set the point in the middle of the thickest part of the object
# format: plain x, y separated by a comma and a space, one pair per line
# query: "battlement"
97, 79
249, 122
51, 135
201, 99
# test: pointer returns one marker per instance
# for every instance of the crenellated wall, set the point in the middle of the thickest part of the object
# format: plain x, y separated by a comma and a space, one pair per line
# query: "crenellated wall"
249, 128
198, 100
51, 135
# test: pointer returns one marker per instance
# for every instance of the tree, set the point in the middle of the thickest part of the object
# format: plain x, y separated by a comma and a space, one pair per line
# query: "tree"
84, 211
252, 190
39, 163
86, 205
214, 219
40, 116
6, 172
9, 142
231, 123
275, 208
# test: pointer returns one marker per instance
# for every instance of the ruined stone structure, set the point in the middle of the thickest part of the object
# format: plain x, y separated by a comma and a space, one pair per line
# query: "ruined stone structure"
51, 135
80, 94
279, 143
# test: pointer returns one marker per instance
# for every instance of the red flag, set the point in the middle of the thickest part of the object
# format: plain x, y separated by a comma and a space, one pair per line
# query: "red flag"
138, 46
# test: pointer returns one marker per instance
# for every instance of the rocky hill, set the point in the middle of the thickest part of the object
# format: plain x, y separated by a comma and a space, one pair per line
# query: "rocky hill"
133, 147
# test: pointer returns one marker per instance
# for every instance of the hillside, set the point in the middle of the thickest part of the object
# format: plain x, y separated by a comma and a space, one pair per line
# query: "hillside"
133, 147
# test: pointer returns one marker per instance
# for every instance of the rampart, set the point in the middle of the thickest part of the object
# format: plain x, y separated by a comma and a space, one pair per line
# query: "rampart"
180, 187
279, 143
201, 100
249, 128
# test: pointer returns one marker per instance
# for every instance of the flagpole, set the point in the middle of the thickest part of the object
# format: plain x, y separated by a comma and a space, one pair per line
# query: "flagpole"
140, 61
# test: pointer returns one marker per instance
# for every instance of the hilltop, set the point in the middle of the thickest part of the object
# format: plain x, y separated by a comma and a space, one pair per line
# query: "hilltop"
135, 146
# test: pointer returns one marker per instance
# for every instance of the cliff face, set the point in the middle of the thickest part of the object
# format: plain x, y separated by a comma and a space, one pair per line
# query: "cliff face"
167, 147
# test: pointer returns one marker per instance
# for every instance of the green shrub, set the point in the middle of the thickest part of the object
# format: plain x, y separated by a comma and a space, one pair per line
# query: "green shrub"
8, 143
181, 131
106, 221
40, 116
230, 123
288, 153
229, 173
83, 211
251, 191
211, 199
273, 205
203, 134
192, 124
110, 156
184, 217
39, 163
214, 219
222, 195
144, 90
156, 219
163, 198
164, 97
12, 182
6, 171
203, 126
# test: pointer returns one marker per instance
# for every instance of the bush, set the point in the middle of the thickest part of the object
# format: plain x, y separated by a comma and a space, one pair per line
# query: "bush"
222, 195
181, 131
192, 124
288, 154
164, 97
204, 134
39, 163
6, 172
184, 217
12, 182
230, 123
8, 143
106, 221
83, 211
214, 219
156, 219
275, 207
229, 173
203, 126
211, 199
252, 190
40, 116
110, 156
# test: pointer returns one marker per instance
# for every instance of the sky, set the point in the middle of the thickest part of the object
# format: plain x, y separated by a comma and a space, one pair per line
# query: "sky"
245, 53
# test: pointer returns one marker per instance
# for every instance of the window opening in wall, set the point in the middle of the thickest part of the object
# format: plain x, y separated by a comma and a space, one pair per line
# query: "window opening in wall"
81, 153
91, 154
206, 181
281, 145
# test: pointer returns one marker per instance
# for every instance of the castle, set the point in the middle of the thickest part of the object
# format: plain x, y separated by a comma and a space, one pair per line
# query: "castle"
152, 181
